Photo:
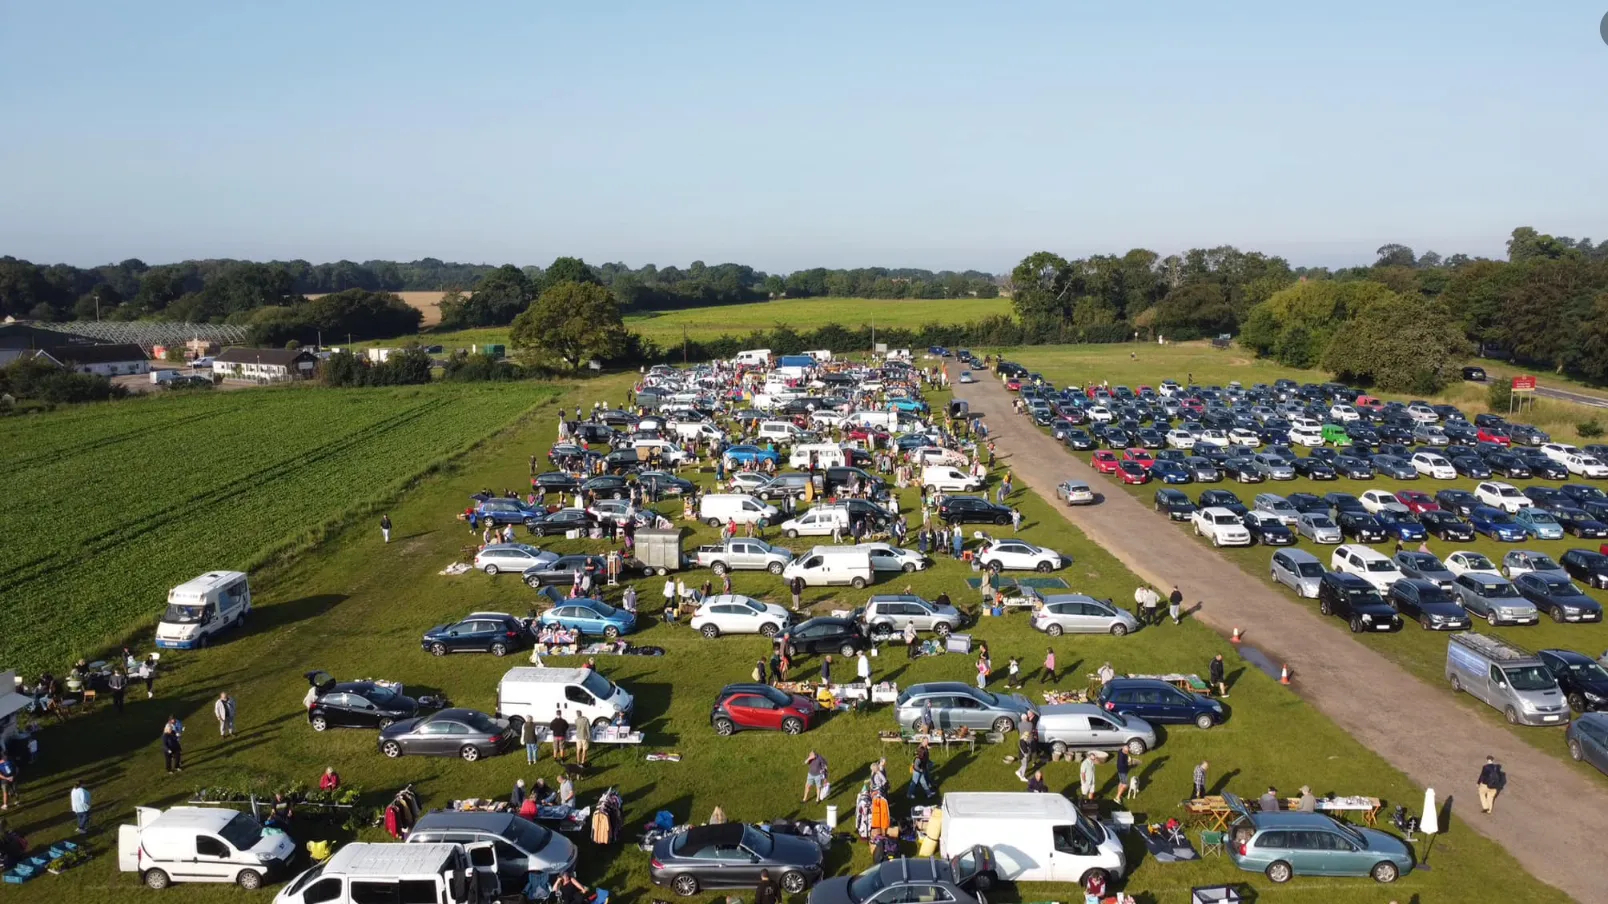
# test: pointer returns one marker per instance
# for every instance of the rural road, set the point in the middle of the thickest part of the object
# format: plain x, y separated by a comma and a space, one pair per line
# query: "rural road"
1550, 817
1565, 395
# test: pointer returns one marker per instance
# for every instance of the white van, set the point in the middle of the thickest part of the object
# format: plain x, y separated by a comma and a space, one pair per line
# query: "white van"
949, 479
363, 873
698, 430
827, 455
779, 431
754, 357
535, 693
884, 420
819, 521
1034, 837
202, 607
716, 509
827, 565
201, 844
821, 356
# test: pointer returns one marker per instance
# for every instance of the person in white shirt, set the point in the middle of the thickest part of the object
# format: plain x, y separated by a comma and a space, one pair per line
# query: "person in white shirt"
863, 668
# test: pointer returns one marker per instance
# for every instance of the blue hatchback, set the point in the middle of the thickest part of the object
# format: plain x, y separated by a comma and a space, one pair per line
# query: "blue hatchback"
590, 617
1497, 524
745, 454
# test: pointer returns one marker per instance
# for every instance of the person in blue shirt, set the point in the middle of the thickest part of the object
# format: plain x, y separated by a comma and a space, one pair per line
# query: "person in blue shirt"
80, 802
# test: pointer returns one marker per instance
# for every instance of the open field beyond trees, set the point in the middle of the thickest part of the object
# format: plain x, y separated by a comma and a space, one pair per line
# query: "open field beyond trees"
356, 607
425, 302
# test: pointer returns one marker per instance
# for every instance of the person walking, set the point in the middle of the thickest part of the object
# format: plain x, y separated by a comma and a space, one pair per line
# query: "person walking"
1124, 764
528, 737
767, 892
1086, 777
1026, 744
921, 773
1175, 605
984, 668
910, 640
385, 527
8, 782
796, 586
1152, 605
1199, 778
80, 803
224, 711
172, 749
1491, 781
1214, 675
1013, 673
583, 736
1016, 520
1049, 676
560, 729
862, 668
816, 776
148, 672
117, 683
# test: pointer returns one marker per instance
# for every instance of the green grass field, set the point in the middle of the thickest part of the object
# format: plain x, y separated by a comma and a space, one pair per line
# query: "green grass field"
1421, 652
110, 505
356, 608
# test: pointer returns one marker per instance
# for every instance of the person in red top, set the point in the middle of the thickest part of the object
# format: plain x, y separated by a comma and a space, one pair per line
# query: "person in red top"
330, 780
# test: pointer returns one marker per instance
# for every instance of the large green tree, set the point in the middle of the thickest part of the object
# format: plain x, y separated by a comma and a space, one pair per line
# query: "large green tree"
572, 322
1400, 343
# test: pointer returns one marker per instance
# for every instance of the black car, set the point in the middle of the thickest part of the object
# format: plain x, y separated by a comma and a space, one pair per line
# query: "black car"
464, 733
1349, 597
1360, 526
958, 879
355, 704
557, 481
561, 521
1434, 608
1352, 468
497, 633
1472, 466
1223, 499
1174, 504
1460, 432
1558, 597
1474, 374
607, 486
1585, 565
1541, 466
731, 855
1079, 440
1580, 677
1580, 523
1583, 493
1459, 502
1267, 530
666, 484
1156, 701
599, 434
1446, 526
1308, 503
1315, 469
843, 636
972, 510
1506, 464
562, 570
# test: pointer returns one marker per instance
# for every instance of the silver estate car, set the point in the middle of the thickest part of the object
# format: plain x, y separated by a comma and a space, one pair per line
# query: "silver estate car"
952, 704
1077, 613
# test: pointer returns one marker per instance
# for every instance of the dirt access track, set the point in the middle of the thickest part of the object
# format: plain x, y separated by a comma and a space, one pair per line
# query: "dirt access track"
1550, 817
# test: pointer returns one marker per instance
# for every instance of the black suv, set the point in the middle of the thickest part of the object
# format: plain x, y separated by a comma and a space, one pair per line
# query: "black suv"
826, 634
1581, 678
972, 510
1429, 603
1588, 566
1350, 597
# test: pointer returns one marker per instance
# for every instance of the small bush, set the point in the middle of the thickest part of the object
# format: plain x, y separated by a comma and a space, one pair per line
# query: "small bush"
1499, 396
1589, 429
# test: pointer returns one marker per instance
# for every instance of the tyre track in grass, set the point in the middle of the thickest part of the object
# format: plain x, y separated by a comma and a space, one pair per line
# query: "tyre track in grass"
1550, 817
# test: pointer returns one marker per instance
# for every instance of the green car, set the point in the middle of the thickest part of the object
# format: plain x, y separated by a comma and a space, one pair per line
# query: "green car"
1335, 435
1284, 845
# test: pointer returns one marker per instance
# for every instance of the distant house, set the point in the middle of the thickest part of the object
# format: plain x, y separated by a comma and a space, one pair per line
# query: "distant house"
110, 360
269, 365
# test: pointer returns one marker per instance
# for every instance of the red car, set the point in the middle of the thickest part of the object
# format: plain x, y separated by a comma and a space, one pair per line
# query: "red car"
1418, 501
1495, 435
740, 707
864, 433
1138, 456
1013, 384
1104, 461
1193, 406
1132, 472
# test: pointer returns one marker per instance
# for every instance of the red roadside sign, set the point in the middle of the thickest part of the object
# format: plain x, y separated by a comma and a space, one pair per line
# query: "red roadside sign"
1524, 384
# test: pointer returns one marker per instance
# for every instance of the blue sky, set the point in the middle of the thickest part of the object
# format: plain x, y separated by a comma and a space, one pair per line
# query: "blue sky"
931, 133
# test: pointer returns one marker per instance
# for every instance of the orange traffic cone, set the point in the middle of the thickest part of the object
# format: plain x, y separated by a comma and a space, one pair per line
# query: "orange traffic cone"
1284, 674
1236, 636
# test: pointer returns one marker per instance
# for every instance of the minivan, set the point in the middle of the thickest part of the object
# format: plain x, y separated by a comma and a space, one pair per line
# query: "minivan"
202, 607
200, 844
828, 565
779, 431
1298, 570
364, 873
522, 846
1505, 677
949, 479
1033, 837
715, 509
818, 455
535, 693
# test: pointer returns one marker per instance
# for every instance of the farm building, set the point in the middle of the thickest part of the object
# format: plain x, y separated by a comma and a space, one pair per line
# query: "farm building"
112, 360
271, 365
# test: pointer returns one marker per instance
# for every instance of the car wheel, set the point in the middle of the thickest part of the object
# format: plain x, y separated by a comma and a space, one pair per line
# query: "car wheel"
845, 651
882, 629
1279, 872
908, 567
533, 583
1136, 746
611, 632
931, 490
1119, 630
156, 879
1575, 752
391, 749
1490, 618
719, 568
768, 630
1512, 715
1004, 725
1054, 630
709, 631
1044, 568
713, 522
1002, 520
725, 727
1423, 622
1457, 685
793, 882
1204, 721
1216, 541
1385, 872
1356, 626
792, 726
792, 535
499, 649
438, 649
858, 583
490, 569
1323, 607
470, 753
386, 723
618, 495
249, 879
685, 885
319, 723
1577, 702
942, 629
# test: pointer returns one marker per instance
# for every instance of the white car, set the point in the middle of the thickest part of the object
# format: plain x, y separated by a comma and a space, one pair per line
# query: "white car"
1222, 526
1075, 492
1467, 561
512, 557
1504, 496
1019, 555
1376, 501
966, 377
1240, 436
1213, 438
1422, 413
887, 557
1101, 415
1367, 563
1585, 465
1180, 439
733, 613
1345, 414
1306, 436
825, 418
1303, 421
1431, 465
1559, 452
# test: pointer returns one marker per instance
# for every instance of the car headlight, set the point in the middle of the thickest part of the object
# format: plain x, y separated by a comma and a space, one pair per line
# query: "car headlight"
1594, 698
1367, 617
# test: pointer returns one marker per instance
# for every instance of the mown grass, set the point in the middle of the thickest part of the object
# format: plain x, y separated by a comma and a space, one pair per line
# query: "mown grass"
357, 607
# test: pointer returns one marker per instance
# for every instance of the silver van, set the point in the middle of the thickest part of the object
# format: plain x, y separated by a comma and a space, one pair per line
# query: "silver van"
1298, 570
1085, 726
1506, 677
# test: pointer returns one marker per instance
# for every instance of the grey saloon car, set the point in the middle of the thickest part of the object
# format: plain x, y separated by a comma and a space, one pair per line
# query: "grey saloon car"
952, 704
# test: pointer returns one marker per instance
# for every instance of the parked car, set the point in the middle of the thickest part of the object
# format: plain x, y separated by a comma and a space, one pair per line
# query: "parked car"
1174, 504
591, 617
1019, 555
1558, 597
465, 733
515, 557
1081, 614
1539, 523
1471, 466
1504, 496
1446, 526
561, 571
497, 633
961, 877
1430, 604
563, 521
1585, 565
1458, 502
741, 707
1587, 739
1496, 524
1221, 526
1267, 529
733, 613
1402, 526
1315, 469
972, 510
888, 614
1158, 702
1467, 561
826, 634
1424, 566
731, 855
1284, 845
954, 704
1357, 600
1297, 569
1495, 599
1582, 679
1367, 563
355, 704
1360, 526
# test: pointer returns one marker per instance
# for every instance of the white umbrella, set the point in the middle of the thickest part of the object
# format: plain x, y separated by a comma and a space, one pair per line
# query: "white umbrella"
1430, 823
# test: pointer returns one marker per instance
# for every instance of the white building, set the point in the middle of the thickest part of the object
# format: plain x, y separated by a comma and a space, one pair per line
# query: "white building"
264, 365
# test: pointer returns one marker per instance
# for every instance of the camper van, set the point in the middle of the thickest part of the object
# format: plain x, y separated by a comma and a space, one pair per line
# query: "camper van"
200, 844
197, 609
828, 565
827, 455
754, 357
363, 872
534, 693
1506, 677
1034, 837
715, 509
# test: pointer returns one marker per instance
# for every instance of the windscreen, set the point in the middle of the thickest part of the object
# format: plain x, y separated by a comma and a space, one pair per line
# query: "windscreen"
600, 687
1529, 678
178, 614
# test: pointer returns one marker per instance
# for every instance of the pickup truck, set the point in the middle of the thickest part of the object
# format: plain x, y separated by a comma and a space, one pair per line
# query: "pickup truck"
741, 554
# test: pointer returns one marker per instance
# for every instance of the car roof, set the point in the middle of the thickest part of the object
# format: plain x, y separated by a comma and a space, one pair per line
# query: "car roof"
1287, 820
940, 687
474, 820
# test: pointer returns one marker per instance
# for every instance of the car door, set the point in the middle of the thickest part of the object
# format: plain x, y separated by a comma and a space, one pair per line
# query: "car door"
357, 712
1174, 706
436, 738
1103, 734
756, 711
211, 860
1593, 743
474, 635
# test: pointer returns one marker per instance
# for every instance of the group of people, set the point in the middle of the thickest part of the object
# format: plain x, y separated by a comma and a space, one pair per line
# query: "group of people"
1147, 599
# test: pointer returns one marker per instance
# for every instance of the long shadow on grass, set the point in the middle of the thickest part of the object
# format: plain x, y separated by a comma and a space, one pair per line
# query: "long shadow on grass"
279, 615
106, 735
650, 710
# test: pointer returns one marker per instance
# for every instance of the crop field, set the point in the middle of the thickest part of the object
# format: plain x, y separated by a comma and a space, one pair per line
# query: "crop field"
1419, 651
357, 608
424, 301
110, 505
